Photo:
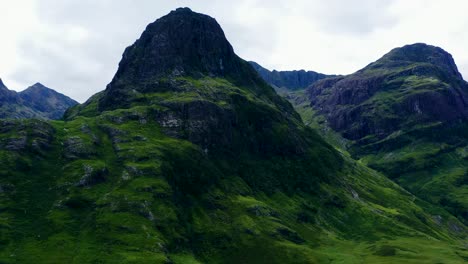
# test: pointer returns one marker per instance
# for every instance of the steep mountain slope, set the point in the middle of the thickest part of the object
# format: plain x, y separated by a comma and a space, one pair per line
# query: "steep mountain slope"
37, 101
288, 80
10, 104
193, 158
406, 115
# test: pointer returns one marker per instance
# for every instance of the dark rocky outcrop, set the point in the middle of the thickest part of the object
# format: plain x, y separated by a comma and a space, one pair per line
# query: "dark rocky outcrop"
32, 135
289, 80
182, 43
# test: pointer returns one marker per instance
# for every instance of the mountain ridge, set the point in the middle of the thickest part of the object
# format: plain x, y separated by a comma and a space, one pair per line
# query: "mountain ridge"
289, 80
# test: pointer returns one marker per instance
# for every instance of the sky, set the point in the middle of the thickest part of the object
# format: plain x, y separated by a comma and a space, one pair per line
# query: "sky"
74, 46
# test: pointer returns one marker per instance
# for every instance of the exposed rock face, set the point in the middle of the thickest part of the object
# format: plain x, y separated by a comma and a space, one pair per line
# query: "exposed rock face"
201, 122
225, 104
182, 43
36, 101
415, 84
290, 80
34, 136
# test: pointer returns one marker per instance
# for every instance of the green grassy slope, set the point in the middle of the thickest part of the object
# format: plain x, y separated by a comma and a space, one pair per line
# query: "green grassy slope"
122, 187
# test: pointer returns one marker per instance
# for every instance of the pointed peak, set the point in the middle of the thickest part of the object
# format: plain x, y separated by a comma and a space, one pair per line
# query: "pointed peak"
181, 44
183, 41
39, 85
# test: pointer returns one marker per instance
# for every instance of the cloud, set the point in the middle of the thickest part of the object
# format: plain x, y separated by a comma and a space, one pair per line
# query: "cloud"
75, 46
348, 17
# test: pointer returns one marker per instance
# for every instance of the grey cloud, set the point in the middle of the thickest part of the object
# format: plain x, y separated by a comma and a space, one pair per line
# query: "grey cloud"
351, 17
81, 69
256, 28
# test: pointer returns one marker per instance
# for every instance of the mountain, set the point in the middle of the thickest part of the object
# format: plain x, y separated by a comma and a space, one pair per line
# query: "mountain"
188, 156
36, 101
181, 48
405, 115
398, 91
49, 103
289, 80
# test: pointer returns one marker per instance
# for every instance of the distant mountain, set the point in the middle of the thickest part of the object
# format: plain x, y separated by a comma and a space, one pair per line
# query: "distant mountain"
36, 101
405, 115
46, 101
289, 80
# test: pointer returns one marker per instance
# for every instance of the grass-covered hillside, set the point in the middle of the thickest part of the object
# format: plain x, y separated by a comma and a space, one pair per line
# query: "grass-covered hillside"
118, 187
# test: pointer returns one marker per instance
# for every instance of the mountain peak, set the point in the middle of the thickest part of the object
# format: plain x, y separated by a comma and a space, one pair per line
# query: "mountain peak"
46, 102
182, 43
421, 53
39, 86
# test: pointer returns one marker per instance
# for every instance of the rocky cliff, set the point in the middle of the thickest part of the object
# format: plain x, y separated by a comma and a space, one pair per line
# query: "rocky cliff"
413, 85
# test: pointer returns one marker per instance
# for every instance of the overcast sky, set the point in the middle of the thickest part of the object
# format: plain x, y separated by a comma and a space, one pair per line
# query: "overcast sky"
74, 46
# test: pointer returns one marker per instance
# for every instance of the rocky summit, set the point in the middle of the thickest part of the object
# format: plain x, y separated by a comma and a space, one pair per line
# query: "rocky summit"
183, 43
188, 156
397, 91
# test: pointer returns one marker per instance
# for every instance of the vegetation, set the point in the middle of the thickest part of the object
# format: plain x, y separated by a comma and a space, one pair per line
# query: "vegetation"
398, 131
122, 187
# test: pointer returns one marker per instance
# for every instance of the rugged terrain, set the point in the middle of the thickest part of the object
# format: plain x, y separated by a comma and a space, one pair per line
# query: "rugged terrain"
37, 101
405, 115
188, 156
